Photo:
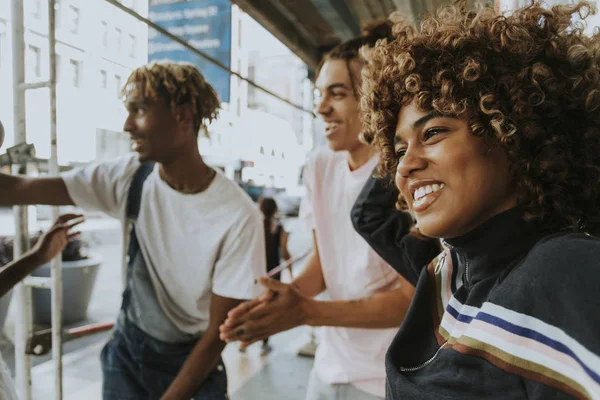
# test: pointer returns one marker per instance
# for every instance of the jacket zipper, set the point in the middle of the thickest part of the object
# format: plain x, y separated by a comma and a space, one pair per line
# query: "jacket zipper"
467, 283
467, 280
426, 363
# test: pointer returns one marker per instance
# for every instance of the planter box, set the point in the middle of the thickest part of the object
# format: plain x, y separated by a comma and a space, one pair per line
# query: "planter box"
79, 278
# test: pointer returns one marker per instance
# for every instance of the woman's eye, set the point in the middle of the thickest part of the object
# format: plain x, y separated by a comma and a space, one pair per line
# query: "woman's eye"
429, 133
400, 153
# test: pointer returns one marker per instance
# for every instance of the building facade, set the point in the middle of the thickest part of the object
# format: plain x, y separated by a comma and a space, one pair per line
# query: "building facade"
97, 47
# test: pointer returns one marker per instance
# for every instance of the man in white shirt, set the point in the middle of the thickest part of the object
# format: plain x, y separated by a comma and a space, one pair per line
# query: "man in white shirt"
368, 298
196, 244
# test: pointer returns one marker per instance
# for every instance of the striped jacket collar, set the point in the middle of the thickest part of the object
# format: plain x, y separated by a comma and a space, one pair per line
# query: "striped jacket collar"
486, 250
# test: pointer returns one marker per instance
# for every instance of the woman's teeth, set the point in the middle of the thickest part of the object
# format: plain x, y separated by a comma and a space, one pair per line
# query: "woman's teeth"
425, 190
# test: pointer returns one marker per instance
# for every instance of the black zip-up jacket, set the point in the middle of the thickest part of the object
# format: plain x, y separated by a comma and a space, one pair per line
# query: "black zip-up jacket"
505, 312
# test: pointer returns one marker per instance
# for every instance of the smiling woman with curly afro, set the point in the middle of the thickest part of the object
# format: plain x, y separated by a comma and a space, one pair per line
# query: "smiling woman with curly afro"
529, 83
490, 124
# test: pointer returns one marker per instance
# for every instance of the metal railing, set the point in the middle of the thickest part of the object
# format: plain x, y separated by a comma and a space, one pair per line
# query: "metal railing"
23, 330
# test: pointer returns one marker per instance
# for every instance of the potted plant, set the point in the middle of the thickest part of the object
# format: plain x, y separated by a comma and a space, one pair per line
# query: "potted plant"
79, 271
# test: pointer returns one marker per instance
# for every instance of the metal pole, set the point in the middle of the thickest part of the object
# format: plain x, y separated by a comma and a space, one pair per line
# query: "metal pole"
194, 50
22, 293
56, 269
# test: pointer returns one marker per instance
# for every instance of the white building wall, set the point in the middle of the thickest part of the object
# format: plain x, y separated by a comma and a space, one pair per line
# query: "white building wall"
93, 66
85, 101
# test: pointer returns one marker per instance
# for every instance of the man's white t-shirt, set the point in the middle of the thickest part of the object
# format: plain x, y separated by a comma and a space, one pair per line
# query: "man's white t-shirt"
351, 270
193, 244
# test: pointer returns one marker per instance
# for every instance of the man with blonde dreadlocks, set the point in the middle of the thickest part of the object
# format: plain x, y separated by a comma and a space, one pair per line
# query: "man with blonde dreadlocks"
196, 243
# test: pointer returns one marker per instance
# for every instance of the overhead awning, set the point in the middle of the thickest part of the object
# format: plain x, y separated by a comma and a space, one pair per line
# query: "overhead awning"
312, 27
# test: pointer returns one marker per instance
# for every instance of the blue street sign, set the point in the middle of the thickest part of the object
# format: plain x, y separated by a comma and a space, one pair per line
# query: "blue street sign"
206, 25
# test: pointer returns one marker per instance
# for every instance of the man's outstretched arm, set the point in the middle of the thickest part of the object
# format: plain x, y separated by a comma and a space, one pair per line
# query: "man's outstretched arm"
18, 190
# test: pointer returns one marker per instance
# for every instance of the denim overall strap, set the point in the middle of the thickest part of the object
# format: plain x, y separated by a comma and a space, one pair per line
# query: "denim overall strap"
134, 199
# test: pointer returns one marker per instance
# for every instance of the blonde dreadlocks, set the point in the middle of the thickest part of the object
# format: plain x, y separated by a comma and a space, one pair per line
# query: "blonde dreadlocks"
176, 84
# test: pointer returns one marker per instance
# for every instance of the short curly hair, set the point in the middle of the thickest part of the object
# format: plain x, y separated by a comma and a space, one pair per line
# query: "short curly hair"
177, 84
527, 81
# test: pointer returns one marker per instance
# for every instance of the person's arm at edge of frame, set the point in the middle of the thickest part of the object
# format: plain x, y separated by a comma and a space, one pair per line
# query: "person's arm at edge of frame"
13, 272
205, 355
48, 246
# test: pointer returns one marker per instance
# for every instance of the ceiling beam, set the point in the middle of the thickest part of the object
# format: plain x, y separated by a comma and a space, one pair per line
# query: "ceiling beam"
272, 19
406, 9
307, 15
339, 17
388, 6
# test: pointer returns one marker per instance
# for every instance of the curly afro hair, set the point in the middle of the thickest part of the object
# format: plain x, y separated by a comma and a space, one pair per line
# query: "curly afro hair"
528, 82
177, 84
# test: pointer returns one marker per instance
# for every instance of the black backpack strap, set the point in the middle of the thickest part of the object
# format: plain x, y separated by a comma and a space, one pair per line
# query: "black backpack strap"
134, 197
134, 200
